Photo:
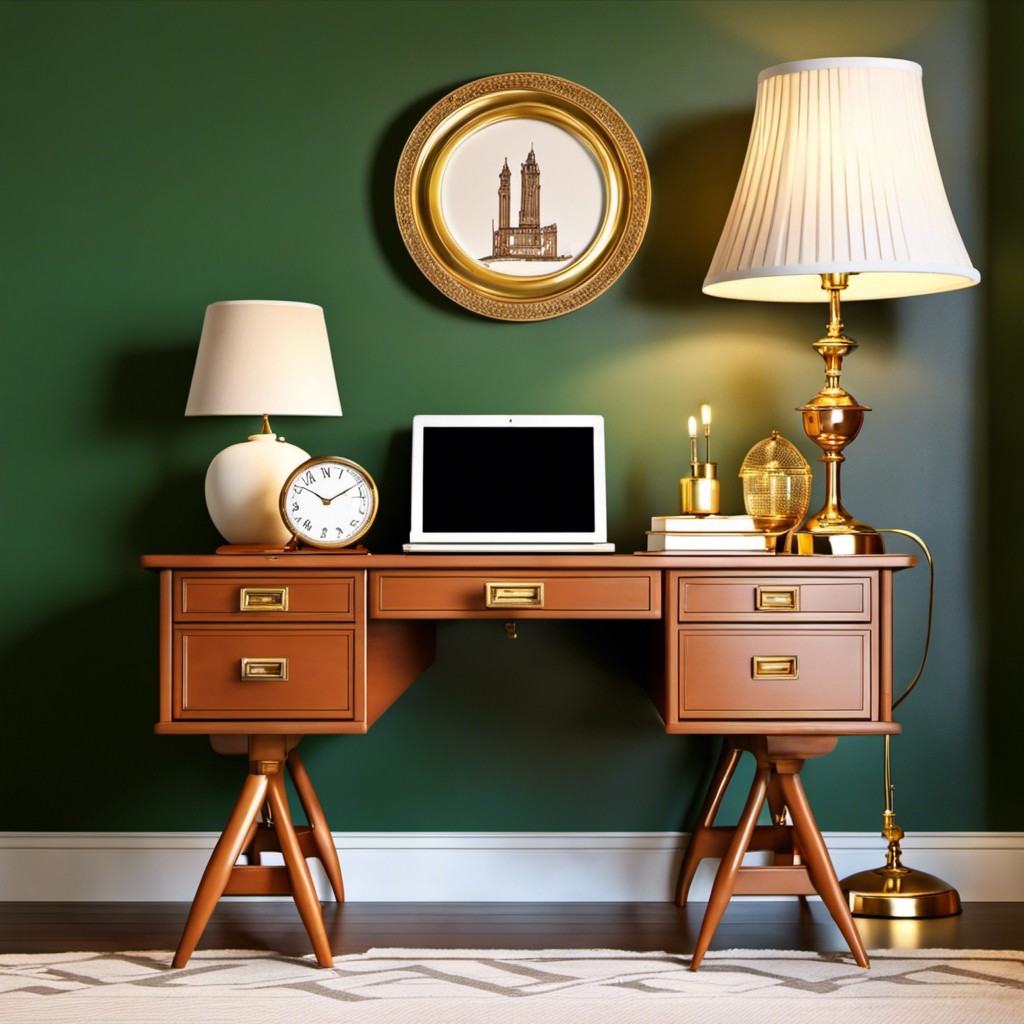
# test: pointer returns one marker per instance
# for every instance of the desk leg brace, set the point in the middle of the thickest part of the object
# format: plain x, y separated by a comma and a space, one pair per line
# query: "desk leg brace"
801, 864
265, 784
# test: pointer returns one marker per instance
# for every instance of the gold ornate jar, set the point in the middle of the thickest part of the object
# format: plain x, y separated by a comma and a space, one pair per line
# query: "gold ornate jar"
776, 484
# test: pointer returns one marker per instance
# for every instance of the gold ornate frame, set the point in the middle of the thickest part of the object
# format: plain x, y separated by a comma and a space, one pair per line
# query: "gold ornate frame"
480, 104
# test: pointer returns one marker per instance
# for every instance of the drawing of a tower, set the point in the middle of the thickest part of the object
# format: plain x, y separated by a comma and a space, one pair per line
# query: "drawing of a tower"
528, 240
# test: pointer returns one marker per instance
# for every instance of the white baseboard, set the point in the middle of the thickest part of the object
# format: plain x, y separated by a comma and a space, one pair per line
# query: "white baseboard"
471, 867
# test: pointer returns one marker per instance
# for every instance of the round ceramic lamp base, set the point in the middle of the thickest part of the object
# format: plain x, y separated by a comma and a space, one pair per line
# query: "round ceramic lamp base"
243, 489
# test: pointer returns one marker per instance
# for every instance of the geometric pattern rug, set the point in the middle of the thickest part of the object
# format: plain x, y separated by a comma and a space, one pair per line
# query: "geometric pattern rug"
436, 986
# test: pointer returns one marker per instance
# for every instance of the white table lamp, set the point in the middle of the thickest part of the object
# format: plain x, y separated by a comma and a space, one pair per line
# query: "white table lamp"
840, 190
259, 358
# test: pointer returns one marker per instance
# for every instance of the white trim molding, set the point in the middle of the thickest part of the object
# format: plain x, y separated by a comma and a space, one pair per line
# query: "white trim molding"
471, 866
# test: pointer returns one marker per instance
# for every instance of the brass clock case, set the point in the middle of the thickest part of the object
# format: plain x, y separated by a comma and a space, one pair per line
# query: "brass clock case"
347, 540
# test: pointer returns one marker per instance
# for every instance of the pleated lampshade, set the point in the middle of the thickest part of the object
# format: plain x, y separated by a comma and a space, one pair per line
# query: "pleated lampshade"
840, 176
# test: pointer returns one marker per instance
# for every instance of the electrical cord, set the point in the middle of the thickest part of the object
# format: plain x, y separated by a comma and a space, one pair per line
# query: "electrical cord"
931, 605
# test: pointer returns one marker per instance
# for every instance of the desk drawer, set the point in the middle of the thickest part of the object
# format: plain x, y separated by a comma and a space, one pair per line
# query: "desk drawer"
818, 598
752, 673
507, 595
259, 598
273, 673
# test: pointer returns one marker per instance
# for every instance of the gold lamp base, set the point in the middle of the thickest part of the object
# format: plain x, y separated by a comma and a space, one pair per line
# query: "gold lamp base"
853, 538
893, 890
899, 892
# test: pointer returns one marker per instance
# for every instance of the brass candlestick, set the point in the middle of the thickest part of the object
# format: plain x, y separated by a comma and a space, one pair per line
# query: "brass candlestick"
699, 493
832, 419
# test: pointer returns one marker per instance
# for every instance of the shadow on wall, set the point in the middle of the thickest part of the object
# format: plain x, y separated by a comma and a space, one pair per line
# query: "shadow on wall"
146, 393
381, 189
84, 712
694, 168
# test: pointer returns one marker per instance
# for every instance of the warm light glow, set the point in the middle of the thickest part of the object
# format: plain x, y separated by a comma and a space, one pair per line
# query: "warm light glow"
693, 426
705, 415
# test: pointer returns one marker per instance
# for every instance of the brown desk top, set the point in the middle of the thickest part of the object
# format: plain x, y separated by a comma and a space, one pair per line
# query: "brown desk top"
308, 559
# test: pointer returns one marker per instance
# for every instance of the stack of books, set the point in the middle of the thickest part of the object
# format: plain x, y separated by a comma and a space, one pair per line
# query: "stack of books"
709, 535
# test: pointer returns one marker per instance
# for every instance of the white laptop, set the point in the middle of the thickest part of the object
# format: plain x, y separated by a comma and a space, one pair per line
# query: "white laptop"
508, 483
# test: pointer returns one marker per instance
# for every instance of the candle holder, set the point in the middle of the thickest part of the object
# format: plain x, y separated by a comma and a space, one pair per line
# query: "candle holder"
699, 493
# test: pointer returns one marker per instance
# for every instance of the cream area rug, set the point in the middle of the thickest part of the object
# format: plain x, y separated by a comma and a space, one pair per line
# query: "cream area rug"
406, 986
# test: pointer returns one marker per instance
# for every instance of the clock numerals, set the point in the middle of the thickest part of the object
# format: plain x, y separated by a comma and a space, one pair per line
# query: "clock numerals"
329, 502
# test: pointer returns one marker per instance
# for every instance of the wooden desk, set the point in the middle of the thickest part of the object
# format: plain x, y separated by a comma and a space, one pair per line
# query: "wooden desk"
781, 654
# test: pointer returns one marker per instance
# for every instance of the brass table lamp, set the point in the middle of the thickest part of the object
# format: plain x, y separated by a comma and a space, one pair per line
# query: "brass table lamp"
840, 190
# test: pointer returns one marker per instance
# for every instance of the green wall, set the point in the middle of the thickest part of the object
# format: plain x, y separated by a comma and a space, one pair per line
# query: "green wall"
160, 156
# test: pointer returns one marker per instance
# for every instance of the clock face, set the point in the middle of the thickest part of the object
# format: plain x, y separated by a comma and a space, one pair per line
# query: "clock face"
329, 502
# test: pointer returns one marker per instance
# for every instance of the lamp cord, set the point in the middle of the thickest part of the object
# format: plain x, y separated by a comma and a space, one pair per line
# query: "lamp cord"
931, 605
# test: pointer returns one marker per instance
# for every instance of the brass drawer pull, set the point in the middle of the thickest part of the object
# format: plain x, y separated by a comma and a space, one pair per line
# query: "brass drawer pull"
514, 595
778, 599
766, 666
275, 669
263, 599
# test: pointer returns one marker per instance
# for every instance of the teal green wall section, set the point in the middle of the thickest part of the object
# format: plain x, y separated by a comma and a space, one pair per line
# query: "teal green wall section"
161, 156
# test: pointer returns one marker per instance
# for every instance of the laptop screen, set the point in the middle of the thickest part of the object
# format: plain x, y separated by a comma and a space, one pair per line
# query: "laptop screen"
508, 480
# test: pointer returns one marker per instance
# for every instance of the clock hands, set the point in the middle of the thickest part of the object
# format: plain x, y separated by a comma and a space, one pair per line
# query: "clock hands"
327, 501
301, 487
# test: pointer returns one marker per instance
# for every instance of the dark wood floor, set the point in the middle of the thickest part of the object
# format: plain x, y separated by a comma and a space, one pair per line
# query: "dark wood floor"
356, 927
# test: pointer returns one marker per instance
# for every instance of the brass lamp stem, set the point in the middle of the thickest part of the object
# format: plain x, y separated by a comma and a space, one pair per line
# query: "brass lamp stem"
835, 344
832, 419
890, 830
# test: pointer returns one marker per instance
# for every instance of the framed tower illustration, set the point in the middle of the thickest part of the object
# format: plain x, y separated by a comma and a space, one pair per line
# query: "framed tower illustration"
583, 196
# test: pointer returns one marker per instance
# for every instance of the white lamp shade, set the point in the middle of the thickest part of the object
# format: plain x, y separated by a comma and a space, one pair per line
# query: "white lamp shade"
262, 356
840, 176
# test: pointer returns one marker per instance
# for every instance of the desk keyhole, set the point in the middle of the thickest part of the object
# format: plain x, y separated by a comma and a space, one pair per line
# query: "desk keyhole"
510, 630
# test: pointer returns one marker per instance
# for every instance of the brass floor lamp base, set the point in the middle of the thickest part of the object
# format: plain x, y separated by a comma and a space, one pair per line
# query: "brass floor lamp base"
899, 892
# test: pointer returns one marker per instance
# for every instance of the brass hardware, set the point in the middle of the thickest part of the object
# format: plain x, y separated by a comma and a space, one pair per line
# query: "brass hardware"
264, 767
514, 595
263, 599
778, 599
764, 666
510, 630
275, 669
